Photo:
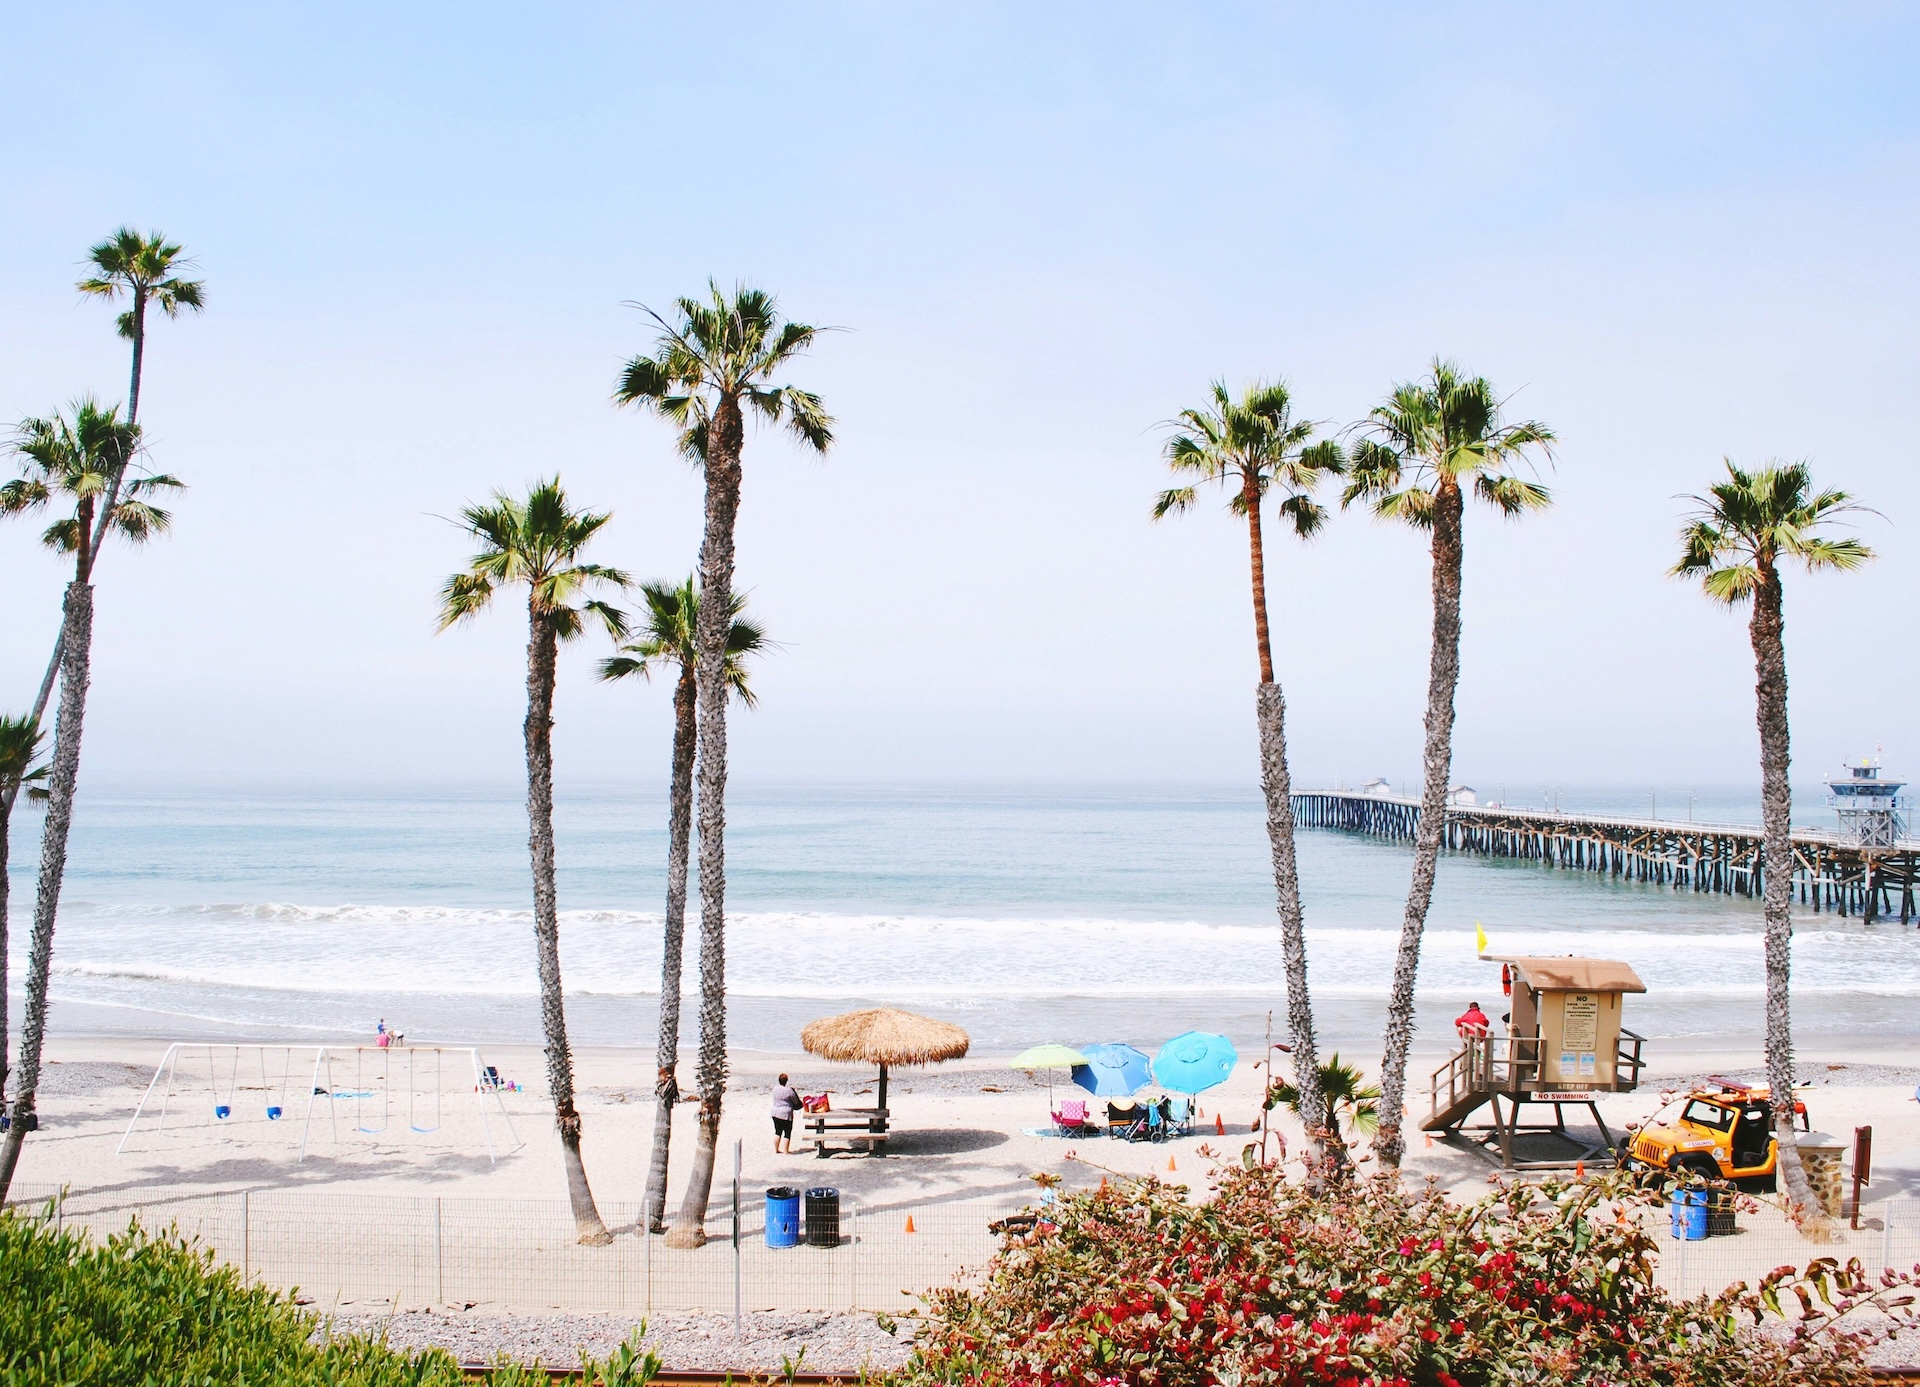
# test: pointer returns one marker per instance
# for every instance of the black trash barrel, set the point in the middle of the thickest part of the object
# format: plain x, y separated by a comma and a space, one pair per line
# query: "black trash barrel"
823, 1216
1720, 1215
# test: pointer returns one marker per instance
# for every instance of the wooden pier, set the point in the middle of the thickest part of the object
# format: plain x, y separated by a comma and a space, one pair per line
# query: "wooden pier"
1829, 872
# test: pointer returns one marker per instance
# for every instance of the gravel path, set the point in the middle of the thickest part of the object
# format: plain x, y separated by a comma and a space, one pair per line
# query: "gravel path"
839, 1342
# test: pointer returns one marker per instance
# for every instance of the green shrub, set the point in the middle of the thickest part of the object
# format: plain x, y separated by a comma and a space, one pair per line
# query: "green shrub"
146, 1310
1359, 1284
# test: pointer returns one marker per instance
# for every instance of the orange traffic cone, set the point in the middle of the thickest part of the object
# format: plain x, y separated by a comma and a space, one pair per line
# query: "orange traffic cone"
1170, 1164
910, 1227
1219, 1126
1429, 1137
1579, 1170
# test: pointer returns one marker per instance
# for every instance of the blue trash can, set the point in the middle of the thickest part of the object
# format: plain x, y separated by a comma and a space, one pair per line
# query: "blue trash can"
783, 1216
1688, 1209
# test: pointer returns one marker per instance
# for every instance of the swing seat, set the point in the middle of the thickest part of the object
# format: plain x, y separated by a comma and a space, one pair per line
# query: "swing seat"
222, 1111
424, 1130
273, 1112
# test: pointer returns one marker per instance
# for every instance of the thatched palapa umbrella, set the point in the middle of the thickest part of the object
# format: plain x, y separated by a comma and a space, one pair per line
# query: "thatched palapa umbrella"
883, 1036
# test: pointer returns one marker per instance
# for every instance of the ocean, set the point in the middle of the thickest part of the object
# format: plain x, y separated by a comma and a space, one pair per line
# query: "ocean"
1023, 914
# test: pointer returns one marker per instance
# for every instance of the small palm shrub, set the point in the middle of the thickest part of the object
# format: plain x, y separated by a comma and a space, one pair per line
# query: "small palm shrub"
1359, 1284
142, 1310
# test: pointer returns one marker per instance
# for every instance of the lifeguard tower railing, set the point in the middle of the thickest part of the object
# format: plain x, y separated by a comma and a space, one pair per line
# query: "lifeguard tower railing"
1488, 1065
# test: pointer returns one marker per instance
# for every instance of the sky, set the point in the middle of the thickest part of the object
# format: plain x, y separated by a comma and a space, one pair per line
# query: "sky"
1672, 233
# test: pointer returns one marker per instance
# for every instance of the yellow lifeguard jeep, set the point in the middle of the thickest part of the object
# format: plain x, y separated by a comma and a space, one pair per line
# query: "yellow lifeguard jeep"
1721, 1133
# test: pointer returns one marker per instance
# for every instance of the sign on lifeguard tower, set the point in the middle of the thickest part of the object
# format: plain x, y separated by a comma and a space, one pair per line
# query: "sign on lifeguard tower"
1572, 1006
1564, 1044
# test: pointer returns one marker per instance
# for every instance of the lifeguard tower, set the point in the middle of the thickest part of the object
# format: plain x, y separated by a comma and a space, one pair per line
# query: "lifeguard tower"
1564, 1045
1870, 809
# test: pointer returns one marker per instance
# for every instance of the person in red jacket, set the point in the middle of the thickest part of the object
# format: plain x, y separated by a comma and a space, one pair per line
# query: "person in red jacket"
1472, 1022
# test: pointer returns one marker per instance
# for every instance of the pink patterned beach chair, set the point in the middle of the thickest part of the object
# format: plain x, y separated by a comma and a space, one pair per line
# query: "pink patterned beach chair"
1072, 1117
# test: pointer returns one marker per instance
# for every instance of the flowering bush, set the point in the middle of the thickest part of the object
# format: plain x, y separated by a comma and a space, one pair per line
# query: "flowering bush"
1358, 1284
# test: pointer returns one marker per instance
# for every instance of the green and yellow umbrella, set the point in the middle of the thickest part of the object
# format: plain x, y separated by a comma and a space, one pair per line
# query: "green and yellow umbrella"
1048, 1057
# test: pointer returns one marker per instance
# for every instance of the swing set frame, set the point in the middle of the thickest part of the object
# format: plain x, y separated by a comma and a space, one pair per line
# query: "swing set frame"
389, 1057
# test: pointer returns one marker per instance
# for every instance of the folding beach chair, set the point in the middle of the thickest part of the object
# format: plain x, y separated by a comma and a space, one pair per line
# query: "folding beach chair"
1179, 1115
1072, 1117
1129, 1123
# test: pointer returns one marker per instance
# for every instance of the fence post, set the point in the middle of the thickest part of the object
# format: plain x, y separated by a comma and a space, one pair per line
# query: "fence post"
853, 1255
439, 1258
736, 1238
246, 1236
646, 1256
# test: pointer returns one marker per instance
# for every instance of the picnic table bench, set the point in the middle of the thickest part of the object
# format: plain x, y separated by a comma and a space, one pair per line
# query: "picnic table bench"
858, 1129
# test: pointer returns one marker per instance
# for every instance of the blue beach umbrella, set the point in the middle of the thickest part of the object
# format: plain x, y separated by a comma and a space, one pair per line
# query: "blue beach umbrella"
1112, 1071
1195, 1062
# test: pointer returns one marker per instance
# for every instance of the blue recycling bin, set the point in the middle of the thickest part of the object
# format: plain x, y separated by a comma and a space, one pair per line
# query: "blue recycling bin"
783, 1216
1688, 1210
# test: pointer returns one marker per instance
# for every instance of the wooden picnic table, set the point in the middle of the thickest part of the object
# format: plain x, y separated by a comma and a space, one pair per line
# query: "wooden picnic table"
859, 1128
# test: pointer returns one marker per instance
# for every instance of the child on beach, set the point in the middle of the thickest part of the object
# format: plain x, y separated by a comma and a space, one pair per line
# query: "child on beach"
785, 1102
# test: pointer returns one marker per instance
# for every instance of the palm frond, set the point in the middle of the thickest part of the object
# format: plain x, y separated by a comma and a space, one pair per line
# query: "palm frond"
1252, 445
1175, 500
1439, 433
1749, 520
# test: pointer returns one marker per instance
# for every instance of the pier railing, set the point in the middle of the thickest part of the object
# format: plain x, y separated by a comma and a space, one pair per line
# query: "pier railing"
1830, 872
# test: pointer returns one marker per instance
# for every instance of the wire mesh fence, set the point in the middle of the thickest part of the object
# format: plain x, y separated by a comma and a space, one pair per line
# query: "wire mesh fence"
524, 1254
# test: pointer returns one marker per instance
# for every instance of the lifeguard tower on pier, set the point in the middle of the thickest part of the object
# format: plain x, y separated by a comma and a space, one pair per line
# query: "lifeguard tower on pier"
1564, 1045
1870, 809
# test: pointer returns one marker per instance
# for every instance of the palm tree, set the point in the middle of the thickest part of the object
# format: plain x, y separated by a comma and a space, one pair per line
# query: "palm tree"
1349, 1101
142, 268
538, 542
1416, 456
78, 460
1744, 527
1252, 446
721, 355
20, 740
669, 639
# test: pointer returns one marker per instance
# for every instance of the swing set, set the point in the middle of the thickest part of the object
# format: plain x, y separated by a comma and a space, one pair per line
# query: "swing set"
376, 1072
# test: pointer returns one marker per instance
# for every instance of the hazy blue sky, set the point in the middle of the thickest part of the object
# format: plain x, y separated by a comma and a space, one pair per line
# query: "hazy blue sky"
1673, 232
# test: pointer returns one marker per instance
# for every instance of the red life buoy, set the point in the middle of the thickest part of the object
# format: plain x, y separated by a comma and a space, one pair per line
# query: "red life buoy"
1506, 980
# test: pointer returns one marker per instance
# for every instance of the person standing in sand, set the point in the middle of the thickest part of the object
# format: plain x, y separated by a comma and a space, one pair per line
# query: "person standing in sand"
786, 1102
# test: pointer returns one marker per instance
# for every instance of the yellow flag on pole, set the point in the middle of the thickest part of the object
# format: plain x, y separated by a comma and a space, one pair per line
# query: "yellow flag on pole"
1479, 936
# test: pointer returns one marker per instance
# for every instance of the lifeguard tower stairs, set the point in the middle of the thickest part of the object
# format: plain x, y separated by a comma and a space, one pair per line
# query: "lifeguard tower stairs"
1564, 1047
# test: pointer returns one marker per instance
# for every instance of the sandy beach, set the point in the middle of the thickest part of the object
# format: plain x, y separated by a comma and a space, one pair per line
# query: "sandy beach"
348, 1224
959, 1127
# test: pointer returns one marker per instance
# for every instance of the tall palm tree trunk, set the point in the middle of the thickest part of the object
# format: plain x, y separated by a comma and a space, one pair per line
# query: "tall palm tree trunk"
1270, 714
541, 646
1443, 676
716, 616
77, 642
6, 827
1768, 632
666, 1089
